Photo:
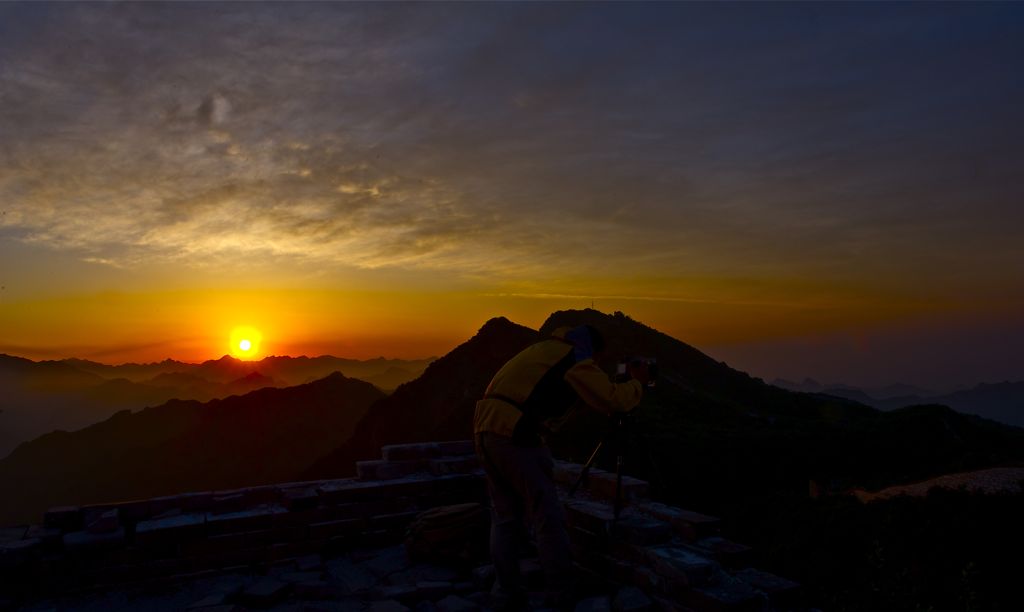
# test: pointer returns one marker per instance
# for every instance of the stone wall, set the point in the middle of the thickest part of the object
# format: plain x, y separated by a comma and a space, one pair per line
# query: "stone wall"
658, 556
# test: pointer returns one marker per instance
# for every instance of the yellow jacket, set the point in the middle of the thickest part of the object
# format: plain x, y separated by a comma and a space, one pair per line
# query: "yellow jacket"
542, 382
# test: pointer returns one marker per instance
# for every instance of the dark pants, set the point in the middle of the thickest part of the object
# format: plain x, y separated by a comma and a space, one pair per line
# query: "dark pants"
521, 486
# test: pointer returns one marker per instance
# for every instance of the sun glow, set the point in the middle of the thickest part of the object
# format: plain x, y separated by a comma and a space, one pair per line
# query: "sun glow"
245, 342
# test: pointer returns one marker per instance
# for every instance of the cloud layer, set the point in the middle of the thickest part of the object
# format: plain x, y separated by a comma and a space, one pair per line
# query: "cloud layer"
874, 144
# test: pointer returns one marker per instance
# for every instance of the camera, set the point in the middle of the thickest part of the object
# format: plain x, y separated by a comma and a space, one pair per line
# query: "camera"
622, 370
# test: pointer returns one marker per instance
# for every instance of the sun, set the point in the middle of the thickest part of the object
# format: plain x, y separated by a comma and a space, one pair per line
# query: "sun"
245, 342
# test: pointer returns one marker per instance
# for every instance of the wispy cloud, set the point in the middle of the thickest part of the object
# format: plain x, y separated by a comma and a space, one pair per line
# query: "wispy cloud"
509, 140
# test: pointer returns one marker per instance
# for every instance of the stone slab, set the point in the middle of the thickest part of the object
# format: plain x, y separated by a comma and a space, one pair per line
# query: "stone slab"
454, 603
251, 519
781, 592
396, 520
85, 541
315, 590
631, 599
379, 469
169, 529
264, 593
724, 594
299, 499
591, 516
594, 604
603, 484
433, 589
679, 566
103, 522
728, 553
453, 465
9, 534
222, 504
349, 577
329, 529
404, 452
456, 448
641, 530
686, 523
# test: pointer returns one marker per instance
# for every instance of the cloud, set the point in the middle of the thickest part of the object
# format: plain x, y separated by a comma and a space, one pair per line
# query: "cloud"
512, 141
214, 110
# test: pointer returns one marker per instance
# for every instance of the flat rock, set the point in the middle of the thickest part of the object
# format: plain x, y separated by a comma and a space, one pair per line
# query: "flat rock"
387, 606
594, 604
678, 564
344, 605
216, 599
631, 599
407, 452
349, 577
724, 593
315, 589
388, 561
454, 603
264, 593
300, 576
433, 589
641, 530
483, 576
309, 563
152, 528
456, 447
82, 540
104, 522
399, 593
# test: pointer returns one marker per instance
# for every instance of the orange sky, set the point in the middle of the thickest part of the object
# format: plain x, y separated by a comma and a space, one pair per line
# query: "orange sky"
380, 179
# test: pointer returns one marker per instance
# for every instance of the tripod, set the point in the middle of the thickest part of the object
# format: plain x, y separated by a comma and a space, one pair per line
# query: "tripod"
616, 440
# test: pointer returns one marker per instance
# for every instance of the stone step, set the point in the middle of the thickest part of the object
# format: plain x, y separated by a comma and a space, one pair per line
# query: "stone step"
724, 594
680, 567
782, 593
687, 524
728, 553
388, 469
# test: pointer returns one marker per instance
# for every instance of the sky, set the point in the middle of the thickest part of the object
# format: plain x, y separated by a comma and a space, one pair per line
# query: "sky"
827, 190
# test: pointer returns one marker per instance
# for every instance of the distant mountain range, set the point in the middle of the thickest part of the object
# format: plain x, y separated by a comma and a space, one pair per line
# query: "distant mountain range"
287, 370
40, 397
265, 436
707, 435
1003, 402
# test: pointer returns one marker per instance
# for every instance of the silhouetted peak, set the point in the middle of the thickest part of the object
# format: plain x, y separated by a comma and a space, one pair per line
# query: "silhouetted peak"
494, 324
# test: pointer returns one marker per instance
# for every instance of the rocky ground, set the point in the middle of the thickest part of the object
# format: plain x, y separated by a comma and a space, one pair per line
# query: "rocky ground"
994, 480
381, 580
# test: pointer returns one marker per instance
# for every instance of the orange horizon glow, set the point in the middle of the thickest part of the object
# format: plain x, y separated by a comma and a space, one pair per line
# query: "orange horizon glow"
410, 325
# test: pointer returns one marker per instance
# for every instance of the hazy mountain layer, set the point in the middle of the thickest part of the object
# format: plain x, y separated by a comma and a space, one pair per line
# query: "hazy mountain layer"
264, 436
40, 397
1003, 402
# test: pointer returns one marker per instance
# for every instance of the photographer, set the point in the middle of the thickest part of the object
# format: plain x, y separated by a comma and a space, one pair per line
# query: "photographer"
539, 384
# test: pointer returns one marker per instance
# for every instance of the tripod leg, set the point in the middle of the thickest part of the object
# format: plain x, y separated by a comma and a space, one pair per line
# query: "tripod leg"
618, 485
586, 469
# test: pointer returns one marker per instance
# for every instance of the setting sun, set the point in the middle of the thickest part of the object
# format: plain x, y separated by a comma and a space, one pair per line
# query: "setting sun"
245, 342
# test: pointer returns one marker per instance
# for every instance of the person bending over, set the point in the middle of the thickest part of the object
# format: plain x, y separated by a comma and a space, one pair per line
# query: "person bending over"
539, 384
